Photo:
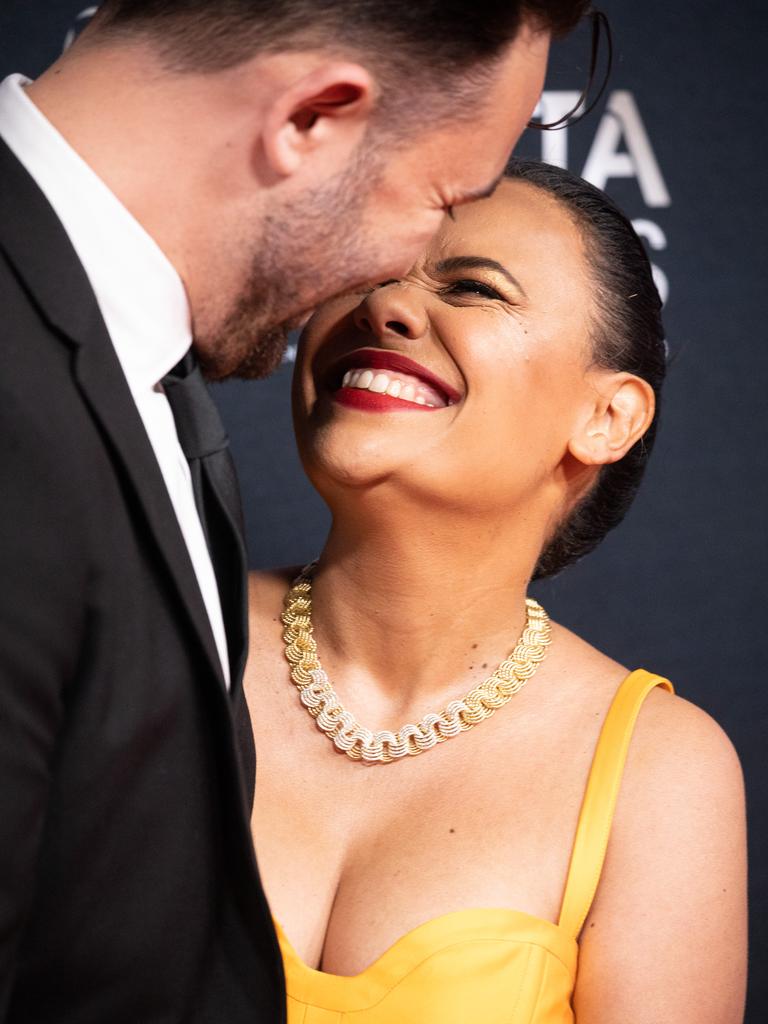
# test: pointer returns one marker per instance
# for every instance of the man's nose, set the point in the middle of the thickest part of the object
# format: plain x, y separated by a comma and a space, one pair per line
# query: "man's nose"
393, 308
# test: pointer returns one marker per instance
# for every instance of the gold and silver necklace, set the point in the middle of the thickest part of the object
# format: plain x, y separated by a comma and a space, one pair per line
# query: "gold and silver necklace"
361, 744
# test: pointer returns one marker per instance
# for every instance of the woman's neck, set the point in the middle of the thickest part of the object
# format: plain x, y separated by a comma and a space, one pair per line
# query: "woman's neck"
409, 607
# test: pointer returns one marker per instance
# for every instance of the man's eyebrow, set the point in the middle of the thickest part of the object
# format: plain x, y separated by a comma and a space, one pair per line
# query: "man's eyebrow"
477, 263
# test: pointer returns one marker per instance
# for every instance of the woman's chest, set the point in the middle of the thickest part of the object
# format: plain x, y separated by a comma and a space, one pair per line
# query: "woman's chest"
352, 858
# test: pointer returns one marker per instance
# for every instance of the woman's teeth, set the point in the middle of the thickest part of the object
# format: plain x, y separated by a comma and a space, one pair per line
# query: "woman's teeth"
406, 389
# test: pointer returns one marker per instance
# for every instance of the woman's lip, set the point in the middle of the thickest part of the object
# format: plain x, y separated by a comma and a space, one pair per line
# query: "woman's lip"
384, 359
370, 401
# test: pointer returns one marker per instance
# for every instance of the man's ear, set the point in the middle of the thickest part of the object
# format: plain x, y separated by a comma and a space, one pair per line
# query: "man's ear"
623, 409
323, 114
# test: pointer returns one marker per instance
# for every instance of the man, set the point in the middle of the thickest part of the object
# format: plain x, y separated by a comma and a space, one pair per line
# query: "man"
196, 174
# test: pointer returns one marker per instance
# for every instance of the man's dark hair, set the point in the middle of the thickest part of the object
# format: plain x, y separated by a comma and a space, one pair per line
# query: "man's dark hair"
415, 40
627, 335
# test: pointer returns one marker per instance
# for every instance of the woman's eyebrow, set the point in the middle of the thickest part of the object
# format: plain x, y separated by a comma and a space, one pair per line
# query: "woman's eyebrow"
477, 263
484, 192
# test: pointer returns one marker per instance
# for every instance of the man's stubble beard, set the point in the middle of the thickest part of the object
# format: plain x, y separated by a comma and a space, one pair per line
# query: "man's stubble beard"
307, 253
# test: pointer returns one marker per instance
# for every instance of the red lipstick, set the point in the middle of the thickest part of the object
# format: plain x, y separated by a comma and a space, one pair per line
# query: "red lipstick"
370, 401
383, 359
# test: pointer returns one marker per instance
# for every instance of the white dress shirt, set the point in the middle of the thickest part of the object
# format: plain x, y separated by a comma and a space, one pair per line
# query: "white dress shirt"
141, 297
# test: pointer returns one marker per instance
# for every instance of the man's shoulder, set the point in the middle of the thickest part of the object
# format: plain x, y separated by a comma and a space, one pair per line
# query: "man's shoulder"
51, 444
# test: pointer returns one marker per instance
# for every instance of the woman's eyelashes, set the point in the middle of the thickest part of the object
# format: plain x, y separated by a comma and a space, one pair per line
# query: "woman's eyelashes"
465, 286
469, 287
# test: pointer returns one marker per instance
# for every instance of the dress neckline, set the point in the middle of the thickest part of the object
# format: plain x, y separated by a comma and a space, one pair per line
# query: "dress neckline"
472, 925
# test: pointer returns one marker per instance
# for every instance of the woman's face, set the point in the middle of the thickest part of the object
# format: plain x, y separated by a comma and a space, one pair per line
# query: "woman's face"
464, 382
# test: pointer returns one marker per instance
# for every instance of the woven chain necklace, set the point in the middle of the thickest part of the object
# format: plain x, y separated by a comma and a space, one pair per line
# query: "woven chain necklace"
361, 744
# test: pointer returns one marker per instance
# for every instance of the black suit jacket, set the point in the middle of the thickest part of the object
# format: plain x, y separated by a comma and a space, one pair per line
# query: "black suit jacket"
128, 885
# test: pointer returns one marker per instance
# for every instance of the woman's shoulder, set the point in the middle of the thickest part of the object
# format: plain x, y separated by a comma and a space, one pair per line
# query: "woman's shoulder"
682, 770
676, 862
671, 733
680, 748
672, 890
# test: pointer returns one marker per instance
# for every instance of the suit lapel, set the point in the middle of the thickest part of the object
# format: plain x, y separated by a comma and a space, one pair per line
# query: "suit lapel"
104, 388
43, 258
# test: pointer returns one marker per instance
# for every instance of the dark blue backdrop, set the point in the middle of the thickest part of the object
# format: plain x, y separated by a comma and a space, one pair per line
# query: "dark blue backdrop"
680, 587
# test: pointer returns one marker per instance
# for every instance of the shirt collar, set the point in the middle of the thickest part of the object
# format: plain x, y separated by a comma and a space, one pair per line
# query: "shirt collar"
139, 292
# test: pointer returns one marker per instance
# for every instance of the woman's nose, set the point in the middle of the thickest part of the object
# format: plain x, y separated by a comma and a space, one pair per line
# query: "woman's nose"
393, 308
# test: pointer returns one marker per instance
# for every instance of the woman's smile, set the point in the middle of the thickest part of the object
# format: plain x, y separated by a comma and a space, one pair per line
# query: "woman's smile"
380, 380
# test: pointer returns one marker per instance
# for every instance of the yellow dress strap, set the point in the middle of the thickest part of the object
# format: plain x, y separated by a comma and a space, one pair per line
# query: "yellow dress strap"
594, 825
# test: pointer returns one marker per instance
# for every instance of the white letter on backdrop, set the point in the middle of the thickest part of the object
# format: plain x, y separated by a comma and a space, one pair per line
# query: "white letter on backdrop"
622, 120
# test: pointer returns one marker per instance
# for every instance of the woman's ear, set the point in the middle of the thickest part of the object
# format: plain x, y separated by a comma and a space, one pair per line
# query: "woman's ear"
319, 119
622, 411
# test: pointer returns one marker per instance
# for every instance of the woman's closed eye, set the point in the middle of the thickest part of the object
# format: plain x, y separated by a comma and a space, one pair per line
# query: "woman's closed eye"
467, 286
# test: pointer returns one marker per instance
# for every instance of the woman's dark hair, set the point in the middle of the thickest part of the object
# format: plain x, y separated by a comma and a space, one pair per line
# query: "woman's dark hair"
627, 336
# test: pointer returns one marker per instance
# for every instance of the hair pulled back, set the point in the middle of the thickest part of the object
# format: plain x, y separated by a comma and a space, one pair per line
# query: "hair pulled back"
627, 335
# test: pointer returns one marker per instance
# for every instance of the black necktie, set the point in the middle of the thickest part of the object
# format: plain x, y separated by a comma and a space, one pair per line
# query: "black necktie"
205, 443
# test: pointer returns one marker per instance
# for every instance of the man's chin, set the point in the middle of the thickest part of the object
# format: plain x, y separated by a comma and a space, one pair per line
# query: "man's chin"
244, 356
265, 355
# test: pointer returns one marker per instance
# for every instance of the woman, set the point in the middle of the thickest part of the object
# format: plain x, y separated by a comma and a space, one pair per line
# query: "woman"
481, 422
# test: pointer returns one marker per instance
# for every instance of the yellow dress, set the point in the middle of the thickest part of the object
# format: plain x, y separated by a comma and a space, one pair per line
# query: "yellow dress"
486, 966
